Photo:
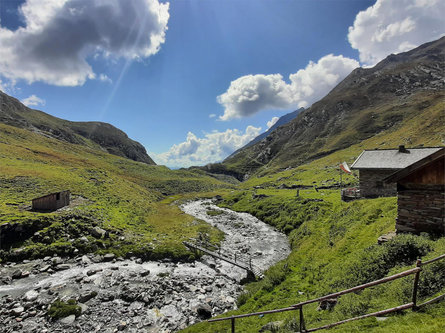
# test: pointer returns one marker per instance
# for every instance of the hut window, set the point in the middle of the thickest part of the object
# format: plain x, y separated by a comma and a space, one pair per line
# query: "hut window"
379, 184
58, 196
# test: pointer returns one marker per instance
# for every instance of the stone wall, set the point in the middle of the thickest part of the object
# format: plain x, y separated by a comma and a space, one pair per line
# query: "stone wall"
372, 185
421, 210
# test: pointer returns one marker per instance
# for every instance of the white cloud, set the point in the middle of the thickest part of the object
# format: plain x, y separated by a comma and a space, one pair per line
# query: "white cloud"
272, 122
5, 86
105, 78
250, 94
212, 115
60, 35
213, 147
33, 100
396, 26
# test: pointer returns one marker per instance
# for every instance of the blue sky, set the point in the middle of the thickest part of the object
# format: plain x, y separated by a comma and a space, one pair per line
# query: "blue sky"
195, 80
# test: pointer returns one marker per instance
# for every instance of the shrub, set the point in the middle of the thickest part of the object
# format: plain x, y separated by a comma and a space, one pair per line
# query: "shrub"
60, 309
375, 262
274, 276
213, 212
243, 298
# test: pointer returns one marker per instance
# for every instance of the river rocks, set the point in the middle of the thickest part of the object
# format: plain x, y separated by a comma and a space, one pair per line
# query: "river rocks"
109, 257
62, 267
122, 325
68, 320
85, 297
56, 261
204, 311
130, 295
85, 260
17, 274
44, 268
31, 295
144, 273
17, 311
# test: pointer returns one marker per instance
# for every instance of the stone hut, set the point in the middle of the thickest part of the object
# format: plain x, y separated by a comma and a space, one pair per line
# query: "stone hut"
421, 196
375, 165
51, 201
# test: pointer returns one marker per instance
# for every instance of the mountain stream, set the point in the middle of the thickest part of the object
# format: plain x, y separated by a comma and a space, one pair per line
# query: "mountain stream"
133, 296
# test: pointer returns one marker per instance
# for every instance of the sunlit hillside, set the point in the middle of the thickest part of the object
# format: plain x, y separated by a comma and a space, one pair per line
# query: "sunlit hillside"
121, 196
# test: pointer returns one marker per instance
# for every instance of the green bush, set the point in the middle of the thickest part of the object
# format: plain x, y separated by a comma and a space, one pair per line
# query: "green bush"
213, 212
432, 279
375, 261
243, 298
274, 276
60, 309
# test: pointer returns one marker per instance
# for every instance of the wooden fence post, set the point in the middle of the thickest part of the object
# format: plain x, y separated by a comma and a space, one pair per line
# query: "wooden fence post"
416, 283
233, 325
302, 324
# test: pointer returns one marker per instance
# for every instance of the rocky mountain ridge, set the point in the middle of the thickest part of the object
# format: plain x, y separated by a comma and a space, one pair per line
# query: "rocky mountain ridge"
94, 134
283, 120
367, 102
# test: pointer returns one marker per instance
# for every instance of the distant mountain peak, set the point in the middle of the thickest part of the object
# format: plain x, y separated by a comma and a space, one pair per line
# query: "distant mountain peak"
283, 120
108, 137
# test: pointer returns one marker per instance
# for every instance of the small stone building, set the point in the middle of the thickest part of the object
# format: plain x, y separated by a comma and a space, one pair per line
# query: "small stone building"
375, 165
51, 201
421, 196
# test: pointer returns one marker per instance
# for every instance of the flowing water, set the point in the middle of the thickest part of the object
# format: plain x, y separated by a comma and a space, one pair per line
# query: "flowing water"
142, 297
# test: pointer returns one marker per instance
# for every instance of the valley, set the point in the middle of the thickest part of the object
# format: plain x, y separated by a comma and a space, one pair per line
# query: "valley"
114, 259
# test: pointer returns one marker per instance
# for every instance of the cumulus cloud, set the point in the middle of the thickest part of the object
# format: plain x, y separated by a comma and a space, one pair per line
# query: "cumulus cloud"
60, 35
213, 147
250, 94
272, 122
395, 26
33, 100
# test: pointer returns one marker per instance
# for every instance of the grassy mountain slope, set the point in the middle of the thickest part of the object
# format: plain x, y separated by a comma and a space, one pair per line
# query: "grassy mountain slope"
334, 245
90, 134
366, 103
122, 196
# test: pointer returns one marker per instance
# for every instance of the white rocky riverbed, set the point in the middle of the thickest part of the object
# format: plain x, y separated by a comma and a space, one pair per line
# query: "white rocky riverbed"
135, 296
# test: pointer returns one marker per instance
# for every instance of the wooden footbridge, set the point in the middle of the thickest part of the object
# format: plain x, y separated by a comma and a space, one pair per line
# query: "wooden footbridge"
239, 260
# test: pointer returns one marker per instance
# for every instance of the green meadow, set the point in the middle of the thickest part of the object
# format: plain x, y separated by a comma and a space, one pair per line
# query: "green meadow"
126, 198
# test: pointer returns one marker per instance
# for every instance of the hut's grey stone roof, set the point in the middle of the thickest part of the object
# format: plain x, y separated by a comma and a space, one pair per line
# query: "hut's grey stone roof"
391, 158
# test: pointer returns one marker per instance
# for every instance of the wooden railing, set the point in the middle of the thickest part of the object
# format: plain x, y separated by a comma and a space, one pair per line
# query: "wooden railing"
413, 304
240, 260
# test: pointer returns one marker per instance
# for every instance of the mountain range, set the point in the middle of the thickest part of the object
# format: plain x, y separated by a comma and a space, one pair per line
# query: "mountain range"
367, 102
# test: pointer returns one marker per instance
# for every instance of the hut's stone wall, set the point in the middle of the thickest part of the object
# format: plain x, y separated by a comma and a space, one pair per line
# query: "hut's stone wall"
372, 184
421, 209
